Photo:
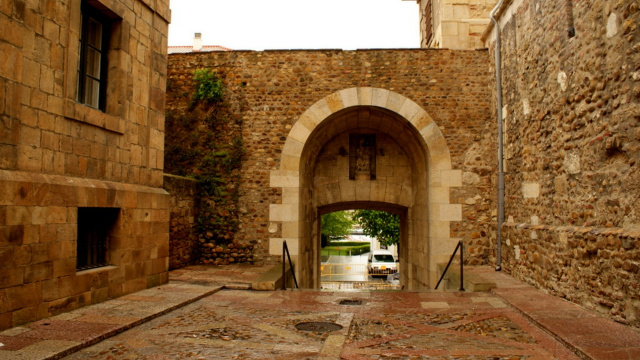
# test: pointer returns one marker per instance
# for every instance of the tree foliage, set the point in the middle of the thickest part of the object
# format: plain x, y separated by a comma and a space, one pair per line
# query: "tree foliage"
382, 225
335, 225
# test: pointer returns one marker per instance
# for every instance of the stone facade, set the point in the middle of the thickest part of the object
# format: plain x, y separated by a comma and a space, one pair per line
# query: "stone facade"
59, 157
429, 106
454, 24
571, 80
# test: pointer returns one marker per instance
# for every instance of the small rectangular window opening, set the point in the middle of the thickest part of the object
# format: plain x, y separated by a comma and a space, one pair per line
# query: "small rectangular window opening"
92, 57
95, 225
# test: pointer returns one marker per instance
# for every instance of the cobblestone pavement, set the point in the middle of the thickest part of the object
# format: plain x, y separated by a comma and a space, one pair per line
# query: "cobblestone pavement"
242, 324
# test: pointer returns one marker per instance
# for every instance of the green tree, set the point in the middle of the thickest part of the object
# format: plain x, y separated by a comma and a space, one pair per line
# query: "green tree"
335, 225
382, 225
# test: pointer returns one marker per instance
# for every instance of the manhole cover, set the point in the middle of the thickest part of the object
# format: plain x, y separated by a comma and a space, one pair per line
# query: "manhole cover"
350, 302
318, 326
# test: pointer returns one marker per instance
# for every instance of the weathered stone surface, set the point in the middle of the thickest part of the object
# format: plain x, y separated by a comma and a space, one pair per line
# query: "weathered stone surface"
578, 141
269, 91
58, 155
183, 237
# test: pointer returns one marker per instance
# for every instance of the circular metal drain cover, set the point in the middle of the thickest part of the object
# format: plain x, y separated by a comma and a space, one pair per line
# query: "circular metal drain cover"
318, 326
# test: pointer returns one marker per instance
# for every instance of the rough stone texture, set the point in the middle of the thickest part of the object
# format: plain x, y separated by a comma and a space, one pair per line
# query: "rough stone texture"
183, 232
57, 155
572, 145
274, 88
204, 141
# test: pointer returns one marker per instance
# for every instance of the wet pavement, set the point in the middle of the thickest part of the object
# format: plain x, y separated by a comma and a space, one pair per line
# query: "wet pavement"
234, 324
512, 322
351, 273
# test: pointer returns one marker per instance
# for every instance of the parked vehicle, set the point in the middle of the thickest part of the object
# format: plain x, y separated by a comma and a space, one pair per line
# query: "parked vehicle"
381, 263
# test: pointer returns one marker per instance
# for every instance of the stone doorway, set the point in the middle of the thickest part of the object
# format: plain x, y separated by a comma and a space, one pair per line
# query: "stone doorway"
354, 271
374, 148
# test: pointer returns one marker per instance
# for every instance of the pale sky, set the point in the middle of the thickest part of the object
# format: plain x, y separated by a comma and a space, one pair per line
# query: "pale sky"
296, 24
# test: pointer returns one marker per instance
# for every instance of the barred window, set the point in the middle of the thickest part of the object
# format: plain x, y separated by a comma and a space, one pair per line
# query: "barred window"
94, 228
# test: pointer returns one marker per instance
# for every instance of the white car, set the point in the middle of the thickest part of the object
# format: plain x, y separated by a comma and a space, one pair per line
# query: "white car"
381, 263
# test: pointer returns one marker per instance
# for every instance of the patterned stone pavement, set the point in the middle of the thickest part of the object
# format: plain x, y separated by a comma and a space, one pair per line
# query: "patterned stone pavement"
235, 324
211, 313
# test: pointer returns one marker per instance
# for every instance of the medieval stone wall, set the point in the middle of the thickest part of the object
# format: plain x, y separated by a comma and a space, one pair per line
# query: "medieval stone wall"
571, 74
183, 236
272, 89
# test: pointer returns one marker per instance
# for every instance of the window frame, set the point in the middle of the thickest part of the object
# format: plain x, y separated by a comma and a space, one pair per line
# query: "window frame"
88, 13
94, 228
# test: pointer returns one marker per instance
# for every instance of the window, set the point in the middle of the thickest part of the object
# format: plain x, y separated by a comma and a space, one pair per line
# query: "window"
92, 62
94, 227
428, 27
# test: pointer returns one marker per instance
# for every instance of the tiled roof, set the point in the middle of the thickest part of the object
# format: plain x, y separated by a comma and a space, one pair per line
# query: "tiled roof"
188, 49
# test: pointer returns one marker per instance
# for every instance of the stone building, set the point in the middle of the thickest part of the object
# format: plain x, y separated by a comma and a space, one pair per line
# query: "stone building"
83, 216
328, 130
196, 46
453, 24
571, 116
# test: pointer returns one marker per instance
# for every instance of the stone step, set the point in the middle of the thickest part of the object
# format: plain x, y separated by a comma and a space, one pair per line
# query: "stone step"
272, 279
472, 281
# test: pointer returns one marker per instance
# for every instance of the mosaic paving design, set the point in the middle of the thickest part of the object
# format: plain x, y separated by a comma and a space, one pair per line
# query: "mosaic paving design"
369, 329
434, 319
462, 357
439, 340
499, 326
252, 325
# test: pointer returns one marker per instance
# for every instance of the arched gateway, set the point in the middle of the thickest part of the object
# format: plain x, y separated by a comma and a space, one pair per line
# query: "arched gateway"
367, 148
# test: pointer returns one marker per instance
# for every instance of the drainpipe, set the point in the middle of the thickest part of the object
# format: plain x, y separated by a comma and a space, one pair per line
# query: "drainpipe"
498, 61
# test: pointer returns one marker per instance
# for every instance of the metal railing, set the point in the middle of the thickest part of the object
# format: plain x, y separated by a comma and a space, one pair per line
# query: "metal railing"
461, 247
285, 250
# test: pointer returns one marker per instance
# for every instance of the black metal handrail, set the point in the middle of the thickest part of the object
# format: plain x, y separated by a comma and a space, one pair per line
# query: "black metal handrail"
461, 247
285, 250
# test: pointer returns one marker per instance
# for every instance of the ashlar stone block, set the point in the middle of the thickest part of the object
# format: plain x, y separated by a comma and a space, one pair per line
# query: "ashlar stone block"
410, 109
289, 179
395, 101
364, 96
283, 212
451, 178
349, 97
379, 97
276, 245
334, 102
299, 132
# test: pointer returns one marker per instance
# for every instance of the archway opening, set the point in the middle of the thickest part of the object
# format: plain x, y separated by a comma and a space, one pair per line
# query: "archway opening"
368, 146
364, 158
360, 247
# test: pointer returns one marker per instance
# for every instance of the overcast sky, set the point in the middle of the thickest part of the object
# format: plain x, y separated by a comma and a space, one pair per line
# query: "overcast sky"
296, 24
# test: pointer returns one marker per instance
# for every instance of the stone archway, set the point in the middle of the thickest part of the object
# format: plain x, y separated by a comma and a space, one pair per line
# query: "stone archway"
421, 183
